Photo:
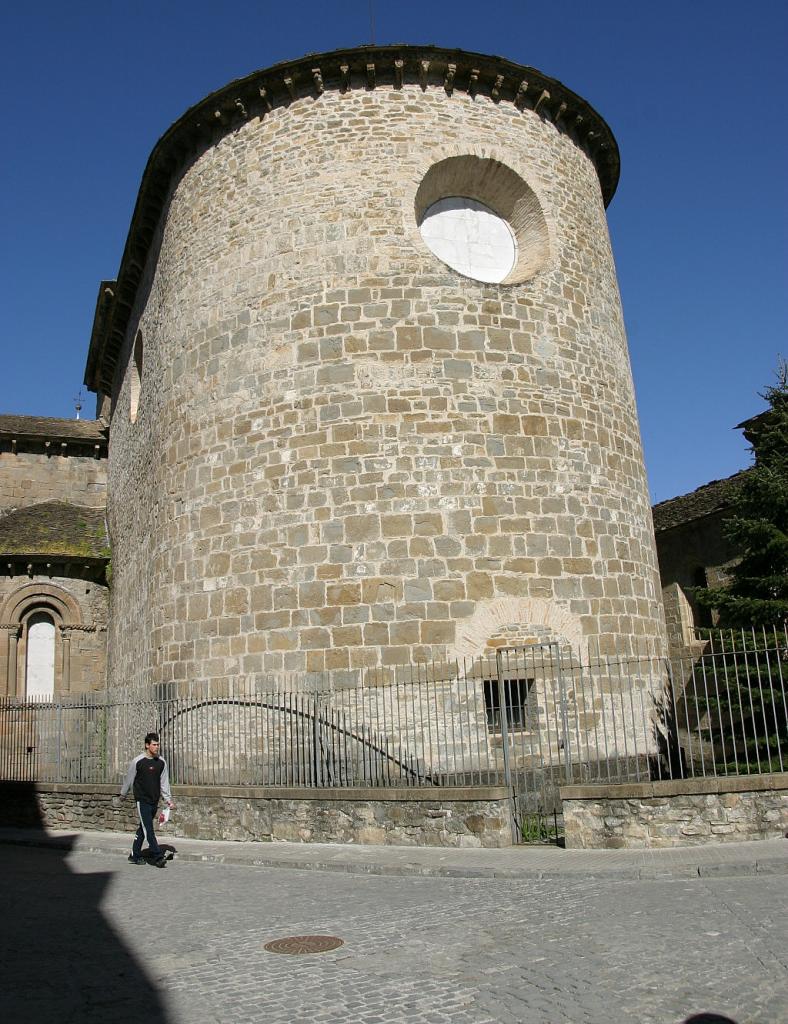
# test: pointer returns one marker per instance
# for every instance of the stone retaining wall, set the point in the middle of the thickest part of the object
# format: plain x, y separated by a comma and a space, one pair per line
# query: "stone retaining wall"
688, 812
468, 817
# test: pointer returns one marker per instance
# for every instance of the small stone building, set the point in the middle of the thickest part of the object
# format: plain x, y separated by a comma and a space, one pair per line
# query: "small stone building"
53, 556
693, 552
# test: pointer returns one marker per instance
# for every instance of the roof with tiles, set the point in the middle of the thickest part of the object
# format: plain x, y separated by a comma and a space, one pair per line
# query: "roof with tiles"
56, 529
38, 430
706, 500
50, 428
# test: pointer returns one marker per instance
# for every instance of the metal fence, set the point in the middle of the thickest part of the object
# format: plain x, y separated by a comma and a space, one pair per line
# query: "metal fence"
728, 713
531, 718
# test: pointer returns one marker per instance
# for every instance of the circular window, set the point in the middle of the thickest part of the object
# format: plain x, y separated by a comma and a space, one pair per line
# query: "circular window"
470, 237
483, 220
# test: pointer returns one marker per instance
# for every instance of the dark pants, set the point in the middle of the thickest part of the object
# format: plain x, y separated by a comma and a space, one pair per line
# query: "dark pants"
146, 813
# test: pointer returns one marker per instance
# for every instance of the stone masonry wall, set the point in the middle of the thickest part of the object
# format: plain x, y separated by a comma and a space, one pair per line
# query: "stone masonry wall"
684, 551
28, 478
683, 813
461, 818
345, 454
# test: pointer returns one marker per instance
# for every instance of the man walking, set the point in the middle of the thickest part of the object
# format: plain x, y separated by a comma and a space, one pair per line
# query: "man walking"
150, 780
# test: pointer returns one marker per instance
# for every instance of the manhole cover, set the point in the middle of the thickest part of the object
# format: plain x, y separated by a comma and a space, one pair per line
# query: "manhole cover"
298, 944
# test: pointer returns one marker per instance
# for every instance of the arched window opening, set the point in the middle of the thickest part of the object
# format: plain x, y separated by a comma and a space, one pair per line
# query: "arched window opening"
136, 377
40, 667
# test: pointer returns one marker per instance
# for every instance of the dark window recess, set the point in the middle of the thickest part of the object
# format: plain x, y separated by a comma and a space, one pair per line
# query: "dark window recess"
515, 695
703, 615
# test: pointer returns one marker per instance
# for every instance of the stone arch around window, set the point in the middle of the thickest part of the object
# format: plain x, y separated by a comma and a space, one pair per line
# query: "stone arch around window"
480, 173
514, 622
16, 613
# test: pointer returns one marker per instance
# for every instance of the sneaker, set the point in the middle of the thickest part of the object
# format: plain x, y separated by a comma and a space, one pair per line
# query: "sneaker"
135, 860
160, 861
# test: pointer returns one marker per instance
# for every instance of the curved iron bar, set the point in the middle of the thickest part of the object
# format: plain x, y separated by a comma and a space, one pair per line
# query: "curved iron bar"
423, 776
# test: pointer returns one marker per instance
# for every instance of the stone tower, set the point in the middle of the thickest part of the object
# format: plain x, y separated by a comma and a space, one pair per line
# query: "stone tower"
368, 380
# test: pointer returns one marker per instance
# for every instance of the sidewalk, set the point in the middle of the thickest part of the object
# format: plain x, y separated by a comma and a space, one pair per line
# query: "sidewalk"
768, 856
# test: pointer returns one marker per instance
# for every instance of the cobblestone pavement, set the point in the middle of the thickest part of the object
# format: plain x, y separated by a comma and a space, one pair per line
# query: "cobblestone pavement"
88, 937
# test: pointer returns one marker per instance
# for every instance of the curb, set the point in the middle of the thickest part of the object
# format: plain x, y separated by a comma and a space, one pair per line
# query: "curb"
771, 866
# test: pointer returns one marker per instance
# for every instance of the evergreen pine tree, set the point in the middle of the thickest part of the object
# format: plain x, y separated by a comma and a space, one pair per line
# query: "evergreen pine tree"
756, 593
748, 704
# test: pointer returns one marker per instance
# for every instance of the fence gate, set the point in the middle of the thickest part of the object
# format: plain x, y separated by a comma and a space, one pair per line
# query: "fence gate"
528, 711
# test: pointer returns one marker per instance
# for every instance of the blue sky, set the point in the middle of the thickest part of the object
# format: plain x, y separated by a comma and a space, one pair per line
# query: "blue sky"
694, 91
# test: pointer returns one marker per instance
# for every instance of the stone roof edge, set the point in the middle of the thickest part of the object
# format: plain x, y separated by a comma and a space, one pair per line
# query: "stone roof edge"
59, 433
18, 516
102, 325
365, 67
758, 417
50, 558
54, 503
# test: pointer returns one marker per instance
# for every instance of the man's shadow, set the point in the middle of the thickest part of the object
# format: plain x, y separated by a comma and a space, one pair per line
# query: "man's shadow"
708, 1018
166, 848
60, 958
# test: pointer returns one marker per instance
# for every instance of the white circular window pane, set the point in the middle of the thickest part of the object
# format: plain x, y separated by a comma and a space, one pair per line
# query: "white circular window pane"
470, 238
